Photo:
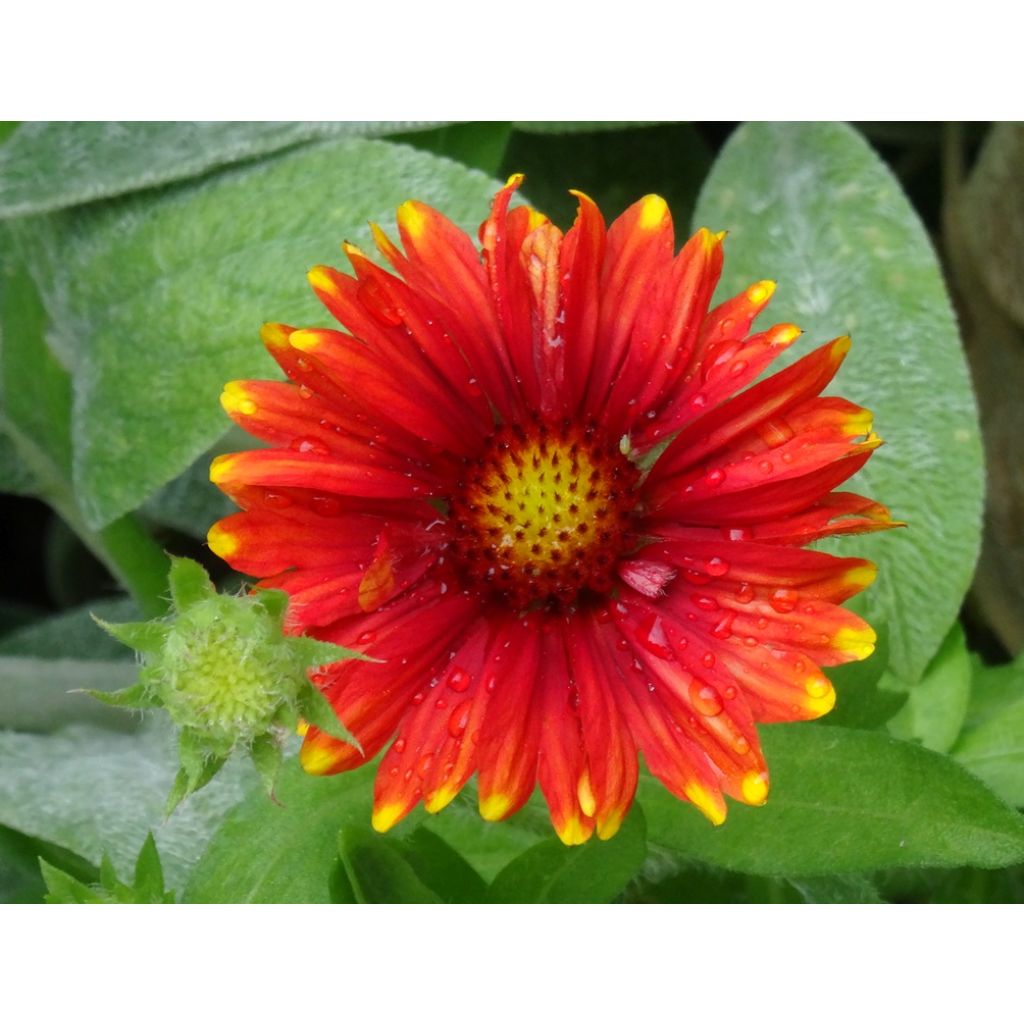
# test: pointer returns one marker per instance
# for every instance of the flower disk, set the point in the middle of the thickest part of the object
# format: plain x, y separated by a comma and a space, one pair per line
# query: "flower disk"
543, 514
541, 485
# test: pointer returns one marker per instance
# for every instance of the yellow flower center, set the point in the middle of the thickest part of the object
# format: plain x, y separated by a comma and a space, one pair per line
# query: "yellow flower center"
543, 514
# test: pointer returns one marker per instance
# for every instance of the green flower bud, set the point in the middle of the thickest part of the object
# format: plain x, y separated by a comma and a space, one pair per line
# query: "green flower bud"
227, 675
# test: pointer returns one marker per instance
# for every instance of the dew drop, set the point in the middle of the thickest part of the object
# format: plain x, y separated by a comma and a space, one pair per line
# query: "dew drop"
729, 693
705, 603
784, 600
418, 698
715, 478
459, 680
272, 499
708, 660
741, 746
309, 446
399, 745
305, 392
745, 593
425, 765
716, 566
651, 634
366, 638
723, 628
705, 699
765, 466
440, 703
325, 505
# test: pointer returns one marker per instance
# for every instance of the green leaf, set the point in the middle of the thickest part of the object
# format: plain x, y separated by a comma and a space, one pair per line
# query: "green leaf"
614, 170
936, 706
314, 707
376, 871
441, 868
837, 889
594, 872
282, 853
992, 743
149, 874
189, 583
993, 216
63, 888
488, 846
845, 801
40, 694
146, 637
124, 277
49, 165
860, 703
268, 757
94, 790
35, 391
812, 206
72, 634
479, 144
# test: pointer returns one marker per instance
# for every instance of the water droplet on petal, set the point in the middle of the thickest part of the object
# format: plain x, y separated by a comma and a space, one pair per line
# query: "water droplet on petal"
705, 699
399, 745
741, 745
708, 660
459, 680
723, 628
326, 505
784, 600
745, 593
651, 633
715, 478
716, 566
459, 719
309, 445
272, 499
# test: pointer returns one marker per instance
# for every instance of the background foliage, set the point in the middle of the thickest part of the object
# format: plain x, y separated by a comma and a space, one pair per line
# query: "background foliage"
137, 262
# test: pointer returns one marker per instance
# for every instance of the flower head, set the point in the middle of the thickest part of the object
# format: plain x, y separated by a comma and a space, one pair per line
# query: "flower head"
227, 676
533, 482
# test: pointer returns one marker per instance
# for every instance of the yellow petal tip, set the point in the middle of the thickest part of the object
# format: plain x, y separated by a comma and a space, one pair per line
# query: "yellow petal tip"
653, 212
317, 758
235, 399
574, 832
221, 542
386, 816
755, 788
758, 294
320, 278
494, 807
411, 219
220, 468
710, 804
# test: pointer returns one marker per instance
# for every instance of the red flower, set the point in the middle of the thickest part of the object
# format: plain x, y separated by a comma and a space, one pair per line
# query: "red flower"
527, 485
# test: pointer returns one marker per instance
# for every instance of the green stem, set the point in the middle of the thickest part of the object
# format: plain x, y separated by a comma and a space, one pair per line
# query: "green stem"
123, 546
137, 561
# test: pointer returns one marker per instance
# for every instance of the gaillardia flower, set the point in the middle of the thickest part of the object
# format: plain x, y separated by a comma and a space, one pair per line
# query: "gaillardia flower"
527, 482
